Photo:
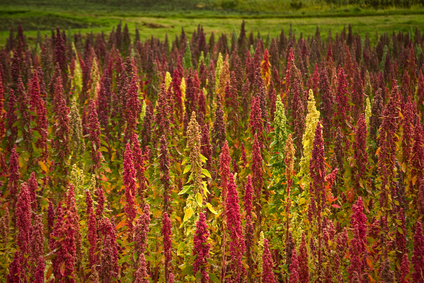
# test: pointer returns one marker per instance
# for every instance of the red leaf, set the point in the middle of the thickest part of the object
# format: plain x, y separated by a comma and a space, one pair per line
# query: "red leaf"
49, 272
62, 269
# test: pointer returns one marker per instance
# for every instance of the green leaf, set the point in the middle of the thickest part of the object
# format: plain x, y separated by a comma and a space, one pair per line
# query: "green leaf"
184, 190
103, 142
36, 134
188, 270
190, 178
125, 258
187, 168
198, 276
213, 278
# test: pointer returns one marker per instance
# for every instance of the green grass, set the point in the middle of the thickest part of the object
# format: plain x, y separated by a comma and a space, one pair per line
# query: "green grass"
90, 19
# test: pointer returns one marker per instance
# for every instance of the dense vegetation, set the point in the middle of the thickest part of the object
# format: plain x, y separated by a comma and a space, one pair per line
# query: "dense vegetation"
223, 5
250, 158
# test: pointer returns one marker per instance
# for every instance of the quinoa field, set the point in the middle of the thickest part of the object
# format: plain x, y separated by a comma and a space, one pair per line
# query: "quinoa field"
212, 157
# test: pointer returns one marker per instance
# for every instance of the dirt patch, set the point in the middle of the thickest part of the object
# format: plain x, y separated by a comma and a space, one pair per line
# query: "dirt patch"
154, 25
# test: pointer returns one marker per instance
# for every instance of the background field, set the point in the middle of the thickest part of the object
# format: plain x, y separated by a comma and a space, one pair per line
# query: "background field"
218, 16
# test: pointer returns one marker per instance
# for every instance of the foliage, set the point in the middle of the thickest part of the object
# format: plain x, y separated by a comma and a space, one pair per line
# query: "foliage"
131, 160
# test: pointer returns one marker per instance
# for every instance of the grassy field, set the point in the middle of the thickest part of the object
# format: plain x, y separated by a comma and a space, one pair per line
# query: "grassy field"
153, 22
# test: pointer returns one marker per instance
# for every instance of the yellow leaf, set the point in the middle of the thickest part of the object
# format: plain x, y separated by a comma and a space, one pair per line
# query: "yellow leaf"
414, 180
187, 214
139, 210
206, 173
43, 166
199, 199
211, 209
369, 263
187, 168
404, 167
